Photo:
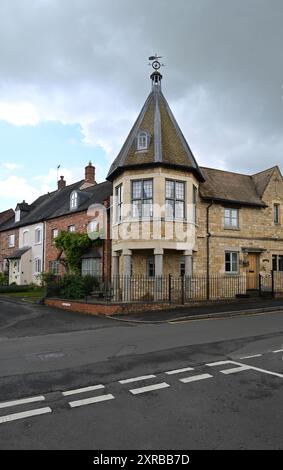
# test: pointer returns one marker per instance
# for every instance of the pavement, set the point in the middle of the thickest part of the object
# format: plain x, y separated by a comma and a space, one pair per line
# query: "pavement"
207, 384
210, 309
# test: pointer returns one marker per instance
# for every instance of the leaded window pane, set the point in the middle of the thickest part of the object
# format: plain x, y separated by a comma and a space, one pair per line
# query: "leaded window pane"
170, 189
179, 210
137, 189
147, 189
147, 208
142, 193
169, 208
180, 191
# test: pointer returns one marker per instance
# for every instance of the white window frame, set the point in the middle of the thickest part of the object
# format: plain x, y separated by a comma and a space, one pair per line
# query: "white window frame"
38, 241
54, 267
54, 230
119, 202
231, 253
142, 140
17, 215
37, 264
74, 200
25, 235
17, 266
229, 217
175, 200
71, 228
92, 267
11, 244
143, 203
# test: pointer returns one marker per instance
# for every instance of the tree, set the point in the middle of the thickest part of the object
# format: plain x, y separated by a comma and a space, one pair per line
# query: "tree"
73, 245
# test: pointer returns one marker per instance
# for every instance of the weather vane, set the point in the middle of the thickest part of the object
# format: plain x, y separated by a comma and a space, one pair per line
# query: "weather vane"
155, 62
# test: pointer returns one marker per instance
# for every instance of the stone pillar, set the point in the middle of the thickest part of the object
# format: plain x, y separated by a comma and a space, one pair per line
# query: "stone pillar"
115, 276
115, 263
127, 255
187, 281
188, 263
158, 257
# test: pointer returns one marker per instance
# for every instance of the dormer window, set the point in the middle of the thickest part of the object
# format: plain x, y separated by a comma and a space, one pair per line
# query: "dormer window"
17, 215
74, 200
143, 141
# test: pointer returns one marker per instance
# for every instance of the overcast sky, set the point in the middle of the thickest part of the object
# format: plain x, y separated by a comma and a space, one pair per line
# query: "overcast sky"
74, 75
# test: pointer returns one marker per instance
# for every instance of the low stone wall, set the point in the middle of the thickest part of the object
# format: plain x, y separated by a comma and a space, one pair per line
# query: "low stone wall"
104, 309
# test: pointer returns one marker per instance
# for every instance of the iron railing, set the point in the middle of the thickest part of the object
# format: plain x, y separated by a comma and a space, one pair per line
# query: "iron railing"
173, 289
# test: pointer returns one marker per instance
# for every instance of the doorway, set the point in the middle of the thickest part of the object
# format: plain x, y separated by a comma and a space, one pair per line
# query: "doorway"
252, 272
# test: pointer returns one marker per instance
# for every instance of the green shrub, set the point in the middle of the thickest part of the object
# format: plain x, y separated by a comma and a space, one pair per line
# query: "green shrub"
3, 279
15, 288
72, 286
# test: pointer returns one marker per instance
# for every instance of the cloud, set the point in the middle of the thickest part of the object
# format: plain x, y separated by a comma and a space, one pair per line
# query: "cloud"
85, 61
19, 114
15, 188
11, 166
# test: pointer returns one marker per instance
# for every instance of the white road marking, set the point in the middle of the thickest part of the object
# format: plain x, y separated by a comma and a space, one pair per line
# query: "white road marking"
235, 370
82, 390
23, 401
244, 367
24, 414
195, 378
218, 363
88, 401
149, 388
250, 357
179, 371
137, 379
264, 371
278, 351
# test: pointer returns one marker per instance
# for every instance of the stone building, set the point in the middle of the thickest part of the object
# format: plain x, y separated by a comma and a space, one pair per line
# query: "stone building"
171, 216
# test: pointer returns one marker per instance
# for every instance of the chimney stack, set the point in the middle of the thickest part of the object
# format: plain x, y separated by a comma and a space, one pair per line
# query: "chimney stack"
61, 183
90, 174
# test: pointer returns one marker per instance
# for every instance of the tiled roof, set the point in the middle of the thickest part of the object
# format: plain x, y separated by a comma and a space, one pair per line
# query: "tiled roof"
167, 147
17, 254
262, 179
224, 186
57, 204
94, 195
6, 216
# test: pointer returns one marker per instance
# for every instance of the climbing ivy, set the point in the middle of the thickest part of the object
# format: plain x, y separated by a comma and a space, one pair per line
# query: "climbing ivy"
73, 245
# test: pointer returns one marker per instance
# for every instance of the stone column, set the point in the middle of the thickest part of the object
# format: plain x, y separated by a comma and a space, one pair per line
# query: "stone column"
187, 282
115, 263
115, 276
158, 258
188, 262
127, 255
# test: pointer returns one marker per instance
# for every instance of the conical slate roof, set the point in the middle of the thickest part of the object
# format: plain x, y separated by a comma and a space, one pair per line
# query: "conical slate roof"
167, 146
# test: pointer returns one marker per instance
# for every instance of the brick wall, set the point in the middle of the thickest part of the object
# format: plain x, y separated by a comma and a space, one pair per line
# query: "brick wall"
81, 221
5, 251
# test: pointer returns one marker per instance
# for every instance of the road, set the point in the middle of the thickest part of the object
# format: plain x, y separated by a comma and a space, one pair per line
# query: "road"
69, 381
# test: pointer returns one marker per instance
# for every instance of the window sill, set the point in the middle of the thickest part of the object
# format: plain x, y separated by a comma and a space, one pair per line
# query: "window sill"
237, 229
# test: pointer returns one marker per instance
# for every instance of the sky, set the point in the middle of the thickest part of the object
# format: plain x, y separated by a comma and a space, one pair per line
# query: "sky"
74, 75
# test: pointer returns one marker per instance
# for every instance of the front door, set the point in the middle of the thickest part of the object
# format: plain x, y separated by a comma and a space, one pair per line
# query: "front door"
252, 274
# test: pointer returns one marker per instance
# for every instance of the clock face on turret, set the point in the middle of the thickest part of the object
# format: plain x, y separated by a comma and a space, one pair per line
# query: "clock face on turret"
156, 65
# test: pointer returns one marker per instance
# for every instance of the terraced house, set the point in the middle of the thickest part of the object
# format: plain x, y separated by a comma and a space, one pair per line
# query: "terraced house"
27, 237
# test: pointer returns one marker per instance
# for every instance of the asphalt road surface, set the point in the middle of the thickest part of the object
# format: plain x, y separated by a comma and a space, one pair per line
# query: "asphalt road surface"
69, 381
